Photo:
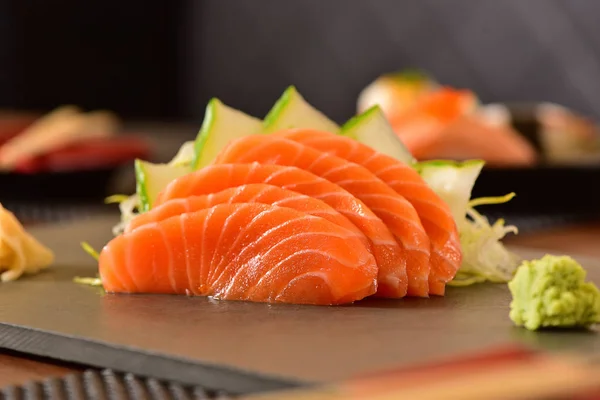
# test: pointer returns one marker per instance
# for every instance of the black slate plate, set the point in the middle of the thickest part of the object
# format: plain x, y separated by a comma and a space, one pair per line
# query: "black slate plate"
248, 347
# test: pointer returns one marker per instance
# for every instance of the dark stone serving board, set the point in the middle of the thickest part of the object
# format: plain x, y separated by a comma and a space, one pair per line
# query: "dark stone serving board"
246, 347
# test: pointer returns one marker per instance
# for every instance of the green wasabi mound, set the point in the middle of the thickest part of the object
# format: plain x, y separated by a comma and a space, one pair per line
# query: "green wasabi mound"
552, 293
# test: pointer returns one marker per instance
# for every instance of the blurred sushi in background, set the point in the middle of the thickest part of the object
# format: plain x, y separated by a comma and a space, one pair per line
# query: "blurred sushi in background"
65, 139
559, 135
441, 122
63, 159
396, 92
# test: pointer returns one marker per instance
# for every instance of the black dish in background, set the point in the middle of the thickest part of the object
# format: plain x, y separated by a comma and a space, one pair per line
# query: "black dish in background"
548, 192
69, 179
543, 190
57, 187
53, 197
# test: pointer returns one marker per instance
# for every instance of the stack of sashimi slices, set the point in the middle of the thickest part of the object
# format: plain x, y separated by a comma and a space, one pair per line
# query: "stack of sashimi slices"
295, 209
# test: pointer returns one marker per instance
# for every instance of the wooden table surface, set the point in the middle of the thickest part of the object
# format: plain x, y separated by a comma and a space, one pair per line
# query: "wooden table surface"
582, 240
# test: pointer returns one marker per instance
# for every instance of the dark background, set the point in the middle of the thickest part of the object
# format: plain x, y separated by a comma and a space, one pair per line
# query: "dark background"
164, 59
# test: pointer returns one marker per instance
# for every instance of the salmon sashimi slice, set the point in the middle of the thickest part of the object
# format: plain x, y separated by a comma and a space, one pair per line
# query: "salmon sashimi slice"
250, 193
242, 251
436, 218
389, 255
393, 209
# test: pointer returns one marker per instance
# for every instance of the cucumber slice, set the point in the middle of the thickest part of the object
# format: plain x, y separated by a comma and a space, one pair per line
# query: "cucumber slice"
152, 178
373, 129
453, 181
185, 154
221, 125
293, 111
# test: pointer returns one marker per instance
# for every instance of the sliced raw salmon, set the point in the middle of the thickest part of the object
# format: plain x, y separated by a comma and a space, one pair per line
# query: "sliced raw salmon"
251, 193
242, 251
393, 209
446, 253
392, 279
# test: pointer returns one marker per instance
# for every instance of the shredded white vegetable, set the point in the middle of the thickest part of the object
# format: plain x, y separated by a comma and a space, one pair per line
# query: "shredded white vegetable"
128, 206
485, 258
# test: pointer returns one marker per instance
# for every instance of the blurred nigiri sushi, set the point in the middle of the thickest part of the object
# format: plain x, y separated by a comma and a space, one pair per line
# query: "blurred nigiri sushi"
397, 91
436, 121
